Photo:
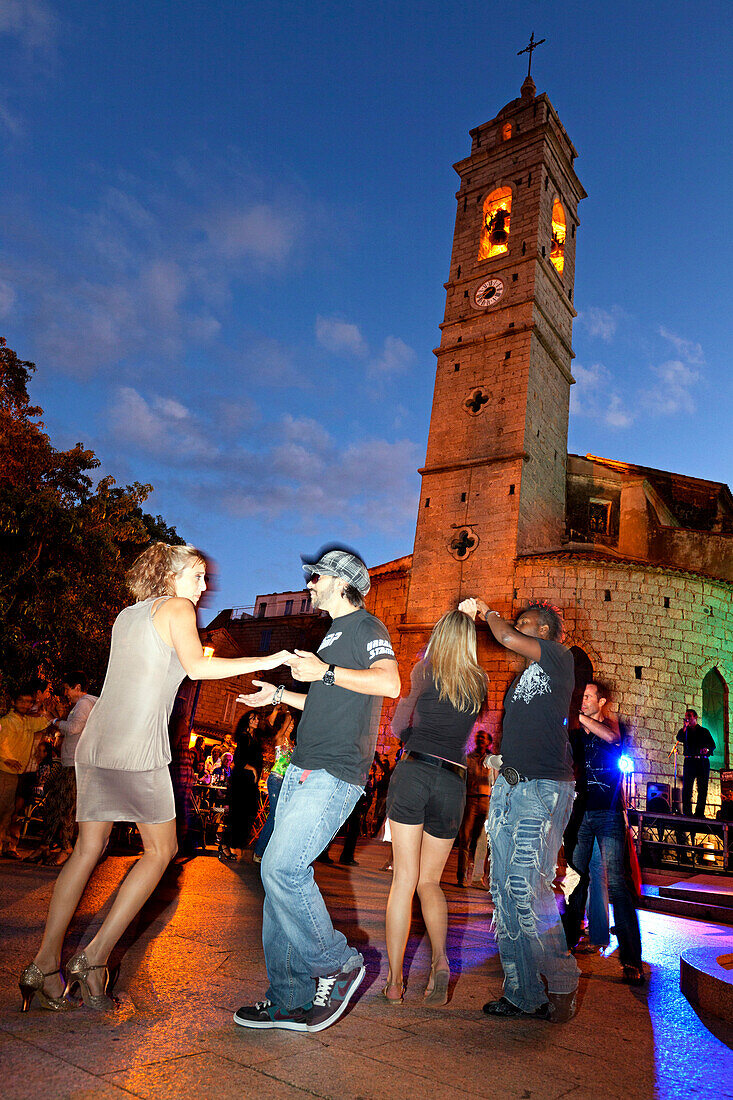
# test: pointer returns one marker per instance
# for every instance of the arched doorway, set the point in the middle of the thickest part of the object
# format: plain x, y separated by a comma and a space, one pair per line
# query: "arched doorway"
715, 716
583, 676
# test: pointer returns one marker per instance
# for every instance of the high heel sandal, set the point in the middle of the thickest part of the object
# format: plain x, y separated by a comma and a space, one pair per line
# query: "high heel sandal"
394, 1000
31, 983
78, 970
438, 995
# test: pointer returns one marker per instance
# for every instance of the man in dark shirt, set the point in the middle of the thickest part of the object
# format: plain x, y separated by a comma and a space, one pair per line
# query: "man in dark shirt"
603, 820
698, 743
528, 812
312, 969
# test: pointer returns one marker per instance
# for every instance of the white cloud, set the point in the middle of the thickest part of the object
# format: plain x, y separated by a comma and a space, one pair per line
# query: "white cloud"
594, 396
161, 426
689, 350
599, 322
261, 231
396, 357
291, 469
30, 22
8, 299
340, 337
672, 394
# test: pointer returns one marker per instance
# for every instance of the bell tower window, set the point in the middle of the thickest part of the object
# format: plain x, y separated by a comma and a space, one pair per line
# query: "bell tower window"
506, 131
495, 228
559, 232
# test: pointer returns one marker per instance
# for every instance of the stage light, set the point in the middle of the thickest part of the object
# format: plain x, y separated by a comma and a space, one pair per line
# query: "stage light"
626, 764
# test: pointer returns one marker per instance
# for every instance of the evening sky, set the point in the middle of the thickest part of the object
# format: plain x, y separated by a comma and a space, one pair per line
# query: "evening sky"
225, 227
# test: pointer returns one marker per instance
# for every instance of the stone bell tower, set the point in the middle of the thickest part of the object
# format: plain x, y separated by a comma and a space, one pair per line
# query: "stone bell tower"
493, 484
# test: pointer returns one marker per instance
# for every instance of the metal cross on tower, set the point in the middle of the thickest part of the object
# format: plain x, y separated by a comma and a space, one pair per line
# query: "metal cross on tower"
529, 49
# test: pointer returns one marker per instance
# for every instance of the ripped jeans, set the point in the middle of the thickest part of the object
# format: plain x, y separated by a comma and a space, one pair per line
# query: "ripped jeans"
525, 827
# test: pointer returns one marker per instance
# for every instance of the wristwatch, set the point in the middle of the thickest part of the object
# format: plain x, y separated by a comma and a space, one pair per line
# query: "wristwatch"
328, 677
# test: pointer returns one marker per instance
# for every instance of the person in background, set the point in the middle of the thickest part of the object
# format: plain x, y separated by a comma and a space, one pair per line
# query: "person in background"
698, 744
243, 793
479, 779
427, 793
604, 821
59, 807
20, 738
278, 750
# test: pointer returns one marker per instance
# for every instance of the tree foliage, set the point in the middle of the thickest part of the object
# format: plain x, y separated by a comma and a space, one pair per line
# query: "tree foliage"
65, 542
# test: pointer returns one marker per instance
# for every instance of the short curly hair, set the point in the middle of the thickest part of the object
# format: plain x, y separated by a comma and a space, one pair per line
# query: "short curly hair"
152, 573
548, 616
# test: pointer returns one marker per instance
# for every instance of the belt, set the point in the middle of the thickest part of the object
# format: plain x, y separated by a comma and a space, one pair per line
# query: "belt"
426, 758
512, 776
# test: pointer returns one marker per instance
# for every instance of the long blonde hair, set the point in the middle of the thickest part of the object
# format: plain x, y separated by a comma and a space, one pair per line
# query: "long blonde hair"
451, 653
152, 573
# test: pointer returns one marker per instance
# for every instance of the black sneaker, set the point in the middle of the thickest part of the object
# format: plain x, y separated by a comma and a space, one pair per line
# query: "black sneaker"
265, 1014
633, 975
506, 1008
333, 993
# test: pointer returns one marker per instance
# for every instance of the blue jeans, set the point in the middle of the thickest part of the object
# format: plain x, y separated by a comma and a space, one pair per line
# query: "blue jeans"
599, 932
299, 939
609, 829
274, 783
526, 825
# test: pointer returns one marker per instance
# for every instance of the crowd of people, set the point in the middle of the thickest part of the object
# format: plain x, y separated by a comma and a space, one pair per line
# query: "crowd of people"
125, 756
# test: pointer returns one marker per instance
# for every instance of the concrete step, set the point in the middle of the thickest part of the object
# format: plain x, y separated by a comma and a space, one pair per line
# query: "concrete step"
680, 907
705, 889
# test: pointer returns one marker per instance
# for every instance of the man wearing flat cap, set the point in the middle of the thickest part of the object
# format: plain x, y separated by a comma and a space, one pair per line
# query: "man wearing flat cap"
312, 969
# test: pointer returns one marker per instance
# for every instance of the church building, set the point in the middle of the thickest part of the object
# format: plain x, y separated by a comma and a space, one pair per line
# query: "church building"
639, 561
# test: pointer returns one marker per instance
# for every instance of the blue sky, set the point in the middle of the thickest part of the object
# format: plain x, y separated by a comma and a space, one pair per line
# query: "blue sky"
225, 226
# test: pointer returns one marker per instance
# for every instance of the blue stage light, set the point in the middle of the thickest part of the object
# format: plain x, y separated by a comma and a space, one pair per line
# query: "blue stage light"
626, 764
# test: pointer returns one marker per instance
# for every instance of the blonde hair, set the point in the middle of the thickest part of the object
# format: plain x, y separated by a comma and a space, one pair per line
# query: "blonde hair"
152, 573
451, 653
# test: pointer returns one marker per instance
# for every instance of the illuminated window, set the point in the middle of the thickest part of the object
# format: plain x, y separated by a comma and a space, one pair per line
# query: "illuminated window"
506, 132
495, 227
559, 231
599, 516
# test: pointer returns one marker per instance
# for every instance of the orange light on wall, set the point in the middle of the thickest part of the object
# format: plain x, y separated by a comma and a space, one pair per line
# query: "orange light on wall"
496, 223
506, 131
559, 232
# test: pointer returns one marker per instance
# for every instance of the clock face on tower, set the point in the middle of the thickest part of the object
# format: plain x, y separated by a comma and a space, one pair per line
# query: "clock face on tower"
488, 293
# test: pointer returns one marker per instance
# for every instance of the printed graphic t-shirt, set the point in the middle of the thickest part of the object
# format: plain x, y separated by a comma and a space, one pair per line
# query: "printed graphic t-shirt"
535, 731
338, 729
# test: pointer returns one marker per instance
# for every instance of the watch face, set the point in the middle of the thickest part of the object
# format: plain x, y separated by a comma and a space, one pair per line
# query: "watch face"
488, 293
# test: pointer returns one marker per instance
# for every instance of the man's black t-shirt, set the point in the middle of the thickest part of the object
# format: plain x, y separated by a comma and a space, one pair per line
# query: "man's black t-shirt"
599, 780
338, 729
695, 738
535, 730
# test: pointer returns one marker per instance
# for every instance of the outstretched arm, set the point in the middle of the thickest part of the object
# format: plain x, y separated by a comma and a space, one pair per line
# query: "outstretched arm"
505, 634
264, 697
180, 618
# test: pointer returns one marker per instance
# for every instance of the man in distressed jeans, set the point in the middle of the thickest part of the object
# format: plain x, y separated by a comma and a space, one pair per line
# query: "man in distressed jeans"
312, 969
529, 810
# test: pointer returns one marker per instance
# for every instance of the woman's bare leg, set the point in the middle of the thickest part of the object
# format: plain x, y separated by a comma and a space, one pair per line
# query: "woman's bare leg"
433, 856
159, 848
406, 842
67, 893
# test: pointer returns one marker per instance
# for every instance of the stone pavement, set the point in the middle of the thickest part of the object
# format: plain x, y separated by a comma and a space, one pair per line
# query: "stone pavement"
195, 956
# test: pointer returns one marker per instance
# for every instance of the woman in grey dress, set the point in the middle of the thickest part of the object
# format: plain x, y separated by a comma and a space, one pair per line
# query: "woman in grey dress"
122, 763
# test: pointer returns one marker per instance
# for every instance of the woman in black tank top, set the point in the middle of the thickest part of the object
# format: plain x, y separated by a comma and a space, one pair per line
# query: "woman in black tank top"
427, 793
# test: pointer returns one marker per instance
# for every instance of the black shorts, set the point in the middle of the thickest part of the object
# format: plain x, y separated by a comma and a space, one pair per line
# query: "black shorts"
27, 786
423, 794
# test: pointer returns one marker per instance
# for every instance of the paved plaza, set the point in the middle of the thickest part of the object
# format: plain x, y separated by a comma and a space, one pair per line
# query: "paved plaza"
195, 956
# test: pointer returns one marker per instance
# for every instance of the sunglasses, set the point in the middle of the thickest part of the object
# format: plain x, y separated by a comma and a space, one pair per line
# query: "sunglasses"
313, 578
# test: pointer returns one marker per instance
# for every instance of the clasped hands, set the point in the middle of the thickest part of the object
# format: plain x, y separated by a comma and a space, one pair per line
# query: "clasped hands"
305, 667
472, 606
